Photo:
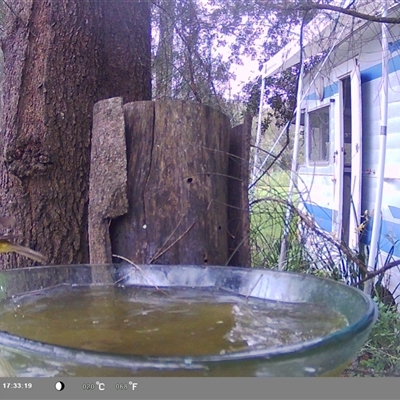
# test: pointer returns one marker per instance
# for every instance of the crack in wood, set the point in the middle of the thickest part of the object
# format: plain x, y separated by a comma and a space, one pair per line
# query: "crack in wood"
144, 222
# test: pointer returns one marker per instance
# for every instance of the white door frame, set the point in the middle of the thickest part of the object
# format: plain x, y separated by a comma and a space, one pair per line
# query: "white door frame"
338, 163
356, 154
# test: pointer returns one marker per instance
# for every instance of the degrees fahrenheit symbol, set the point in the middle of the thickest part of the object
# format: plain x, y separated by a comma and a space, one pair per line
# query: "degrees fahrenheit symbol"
133, 384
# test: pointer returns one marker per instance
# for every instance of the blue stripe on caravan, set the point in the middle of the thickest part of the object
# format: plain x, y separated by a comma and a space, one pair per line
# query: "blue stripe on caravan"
367, 75
329, 91
375, 72
312, 96
390, 233
395, 211
321, 215
394, 46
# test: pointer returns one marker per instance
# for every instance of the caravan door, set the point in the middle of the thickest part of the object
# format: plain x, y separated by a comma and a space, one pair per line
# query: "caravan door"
356, 156
338, 165
348, 157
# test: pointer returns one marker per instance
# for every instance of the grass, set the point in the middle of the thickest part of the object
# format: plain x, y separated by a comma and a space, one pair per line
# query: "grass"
268, 216
380, 355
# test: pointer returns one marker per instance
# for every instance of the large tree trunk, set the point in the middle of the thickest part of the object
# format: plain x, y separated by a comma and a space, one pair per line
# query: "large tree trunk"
60, 57
164, 59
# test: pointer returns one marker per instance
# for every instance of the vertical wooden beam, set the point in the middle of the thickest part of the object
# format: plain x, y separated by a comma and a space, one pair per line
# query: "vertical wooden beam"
108, 176
238, 199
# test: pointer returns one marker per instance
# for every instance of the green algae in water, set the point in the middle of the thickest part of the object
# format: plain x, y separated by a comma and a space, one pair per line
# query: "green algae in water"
167, 322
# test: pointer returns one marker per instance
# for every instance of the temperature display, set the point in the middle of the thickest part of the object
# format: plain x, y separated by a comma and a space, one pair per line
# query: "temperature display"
126, 386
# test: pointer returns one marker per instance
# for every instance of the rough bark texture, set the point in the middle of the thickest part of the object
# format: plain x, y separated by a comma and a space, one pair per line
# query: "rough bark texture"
238, 199
108, 176
164, 58
177, 185
60, 57
124, 49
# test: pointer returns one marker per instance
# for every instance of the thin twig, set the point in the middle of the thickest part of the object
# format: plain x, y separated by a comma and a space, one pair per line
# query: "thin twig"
236, 249
159, 254
224, 204
311, 224
166, 241
219, 151
216, 174
139, 269
255, 285
12, 10
128, 261
18, 17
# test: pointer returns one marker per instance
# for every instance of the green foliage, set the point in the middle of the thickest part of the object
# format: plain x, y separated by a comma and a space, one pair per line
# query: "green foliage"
185, 65
381, 353
280, 94
268, 215
195, 44
380, 356
308, 249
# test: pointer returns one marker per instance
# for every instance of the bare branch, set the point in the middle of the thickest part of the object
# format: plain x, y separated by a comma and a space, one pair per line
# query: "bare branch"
380, 271
310, 5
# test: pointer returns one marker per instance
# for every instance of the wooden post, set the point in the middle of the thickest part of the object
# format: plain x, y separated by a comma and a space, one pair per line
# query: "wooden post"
177, 156
108, 176
238, 199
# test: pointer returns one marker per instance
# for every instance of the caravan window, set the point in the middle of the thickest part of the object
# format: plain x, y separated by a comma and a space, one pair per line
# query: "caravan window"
318, 135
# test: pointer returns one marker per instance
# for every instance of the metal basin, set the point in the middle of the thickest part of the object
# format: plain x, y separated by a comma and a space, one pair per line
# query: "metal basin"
319, 356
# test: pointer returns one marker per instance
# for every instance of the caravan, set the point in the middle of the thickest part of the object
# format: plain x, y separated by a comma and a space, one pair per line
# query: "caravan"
343, 104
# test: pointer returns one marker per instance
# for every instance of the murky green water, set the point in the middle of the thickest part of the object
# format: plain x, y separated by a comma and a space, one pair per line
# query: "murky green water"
171, 322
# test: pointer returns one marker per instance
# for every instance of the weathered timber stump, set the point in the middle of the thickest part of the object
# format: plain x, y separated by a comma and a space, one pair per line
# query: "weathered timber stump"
177, 185
174, 166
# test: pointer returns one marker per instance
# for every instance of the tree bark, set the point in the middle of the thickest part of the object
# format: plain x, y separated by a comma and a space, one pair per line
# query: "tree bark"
164, 59
177, 156
108, 176
60, 57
